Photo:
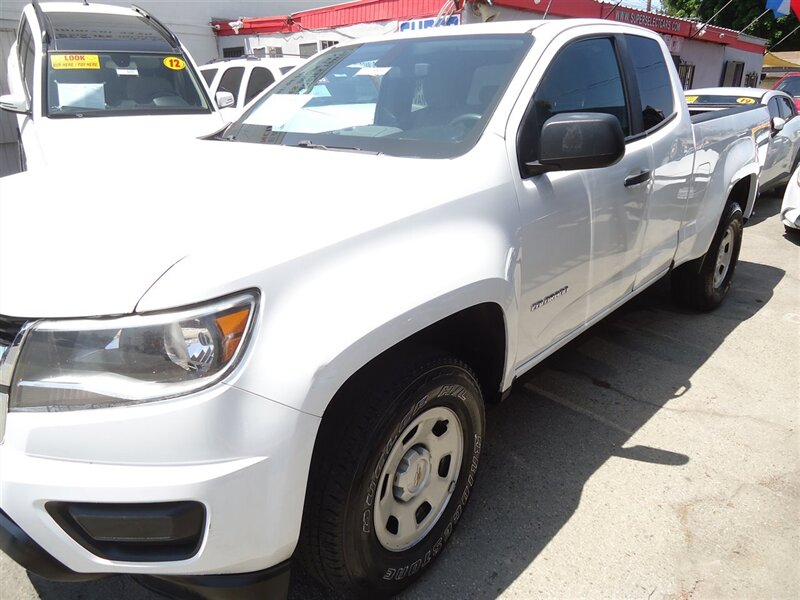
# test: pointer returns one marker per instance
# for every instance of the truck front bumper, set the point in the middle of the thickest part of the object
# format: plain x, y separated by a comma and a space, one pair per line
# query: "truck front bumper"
270, 584
242, 459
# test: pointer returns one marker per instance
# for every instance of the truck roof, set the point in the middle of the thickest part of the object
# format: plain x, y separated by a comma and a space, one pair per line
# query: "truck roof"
503, 27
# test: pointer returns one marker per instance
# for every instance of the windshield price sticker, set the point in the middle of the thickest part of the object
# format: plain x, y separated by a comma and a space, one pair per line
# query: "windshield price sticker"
691, 99
745, 100
75, 61
174, 63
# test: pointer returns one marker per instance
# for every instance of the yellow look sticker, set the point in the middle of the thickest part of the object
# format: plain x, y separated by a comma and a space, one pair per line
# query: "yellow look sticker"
691, 99
745, 100
174, 63
75, 61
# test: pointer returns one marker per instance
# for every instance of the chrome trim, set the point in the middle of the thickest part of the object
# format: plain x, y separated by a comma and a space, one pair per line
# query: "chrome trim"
8, 360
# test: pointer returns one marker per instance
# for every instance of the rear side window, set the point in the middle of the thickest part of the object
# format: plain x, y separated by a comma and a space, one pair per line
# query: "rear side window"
260, 79
584, 77
655, 85
787, 108
231, 80
208, 75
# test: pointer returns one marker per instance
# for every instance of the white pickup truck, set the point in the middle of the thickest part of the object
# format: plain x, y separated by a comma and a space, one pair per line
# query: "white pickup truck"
278, 343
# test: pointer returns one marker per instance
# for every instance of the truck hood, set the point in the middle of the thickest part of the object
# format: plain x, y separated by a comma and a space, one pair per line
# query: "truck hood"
90, 236
64, 139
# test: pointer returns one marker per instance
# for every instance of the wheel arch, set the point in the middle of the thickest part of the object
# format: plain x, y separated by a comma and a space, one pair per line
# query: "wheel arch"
477, 335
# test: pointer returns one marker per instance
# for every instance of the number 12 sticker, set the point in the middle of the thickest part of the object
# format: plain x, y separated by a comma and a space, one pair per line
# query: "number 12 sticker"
174, 63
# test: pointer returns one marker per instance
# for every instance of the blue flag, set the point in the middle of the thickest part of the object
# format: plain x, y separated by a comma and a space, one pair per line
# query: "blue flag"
779, 8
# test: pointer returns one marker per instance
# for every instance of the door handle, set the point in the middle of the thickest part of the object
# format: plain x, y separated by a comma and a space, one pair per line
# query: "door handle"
637, 178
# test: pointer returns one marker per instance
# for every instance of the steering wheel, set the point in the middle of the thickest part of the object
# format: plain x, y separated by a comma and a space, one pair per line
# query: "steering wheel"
465, 118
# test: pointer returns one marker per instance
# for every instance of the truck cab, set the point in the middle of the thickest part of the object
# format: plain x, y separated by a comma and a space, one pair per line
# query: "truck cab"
301, 373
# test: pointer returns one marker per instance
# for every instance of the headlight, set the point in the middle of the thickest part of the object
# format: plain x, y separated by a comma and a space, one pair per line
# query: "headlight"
106, 362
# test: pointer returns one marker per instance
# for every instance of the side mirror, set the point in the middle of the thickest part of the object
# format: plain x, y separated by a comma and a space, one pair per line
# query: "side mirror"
778, 124
16, 103
571, 141
224, 99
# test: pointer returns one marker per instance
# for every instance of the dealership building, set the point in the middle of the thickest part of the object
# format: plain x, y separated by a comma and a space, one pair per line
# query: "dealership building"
705, 55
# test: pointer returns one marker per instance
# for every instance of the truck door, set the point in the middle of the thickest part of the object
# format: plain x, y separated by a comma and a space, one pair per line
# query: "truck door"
581, 230
669, 135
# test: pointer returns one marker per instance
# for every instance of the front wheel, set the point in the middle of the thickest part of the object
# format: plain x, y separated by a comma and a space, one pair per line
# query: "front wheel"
391, 477
704, 283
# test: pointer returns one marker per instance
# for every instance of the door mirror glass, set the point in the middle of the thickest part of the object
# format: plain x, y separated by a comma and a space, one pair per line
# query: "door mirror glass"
16, 103
777, 124
224, 99
571, 141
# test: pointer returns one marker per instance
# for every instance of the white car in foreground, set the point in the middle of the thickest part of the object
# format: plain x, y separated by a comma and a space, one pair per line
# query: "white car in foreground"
90, 78
790, 209
199, 385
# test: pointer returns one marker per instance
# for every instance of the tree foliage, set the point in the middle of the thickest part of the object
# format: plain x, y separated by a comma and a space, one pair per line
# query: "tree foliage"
739, 15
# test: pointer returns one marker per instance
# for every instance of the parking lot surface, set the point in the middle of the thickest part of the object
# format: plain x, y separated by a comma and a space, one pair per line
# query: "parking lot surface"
655, 457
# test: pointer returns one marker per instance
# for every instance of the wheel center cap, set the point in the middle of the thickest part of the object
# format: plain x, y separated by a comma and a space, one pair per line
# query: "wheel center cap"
412, 473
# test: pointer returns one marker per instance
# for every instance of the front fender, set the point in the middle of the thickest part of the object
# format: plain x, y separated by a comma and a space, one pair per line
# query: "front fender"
325, 314
324, 327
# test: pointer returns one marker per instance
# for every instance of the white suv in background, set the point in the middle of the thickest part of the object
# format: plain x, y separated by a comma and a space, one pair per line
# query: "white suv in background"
245, 78
88, 76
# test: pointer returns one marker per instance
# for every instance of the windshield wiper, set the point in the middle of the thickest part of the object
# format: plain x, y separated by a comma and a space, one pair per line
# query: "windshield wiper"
312, 145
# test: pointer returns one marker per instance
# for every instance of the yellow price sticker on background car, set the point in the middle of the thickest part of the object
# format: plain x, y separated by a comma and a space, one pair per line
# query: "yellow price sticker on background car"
745, 100
691, 99
75, 61
174, 63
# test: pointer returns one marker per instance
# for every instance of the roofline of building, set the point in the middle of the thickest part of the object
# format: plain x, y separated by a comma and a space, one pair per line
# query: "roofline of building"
371, 11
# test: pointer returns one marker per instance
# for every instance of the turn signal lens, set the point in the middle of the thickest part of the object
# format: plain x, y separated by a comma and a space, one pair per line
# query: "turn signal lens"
232, 327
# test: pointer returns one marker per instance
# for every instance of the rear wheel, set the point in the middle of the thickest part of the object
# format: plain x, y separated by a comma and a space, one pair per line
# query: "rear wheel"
391, 476
704, 283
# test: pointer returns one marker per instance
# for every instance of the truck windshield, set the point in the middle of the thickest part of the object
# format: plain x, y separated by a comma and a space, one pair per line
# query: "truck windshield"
790, 85
115, 83
427, 97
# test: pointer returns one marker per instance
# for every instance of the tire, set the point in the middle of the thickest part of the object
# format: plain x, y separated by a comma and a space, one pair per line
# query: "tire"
703, 283
367, 532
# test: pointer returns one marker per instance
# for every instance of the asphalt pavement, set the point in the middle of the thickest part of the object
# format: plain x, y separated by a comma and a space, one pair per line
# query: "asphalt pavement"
654, 457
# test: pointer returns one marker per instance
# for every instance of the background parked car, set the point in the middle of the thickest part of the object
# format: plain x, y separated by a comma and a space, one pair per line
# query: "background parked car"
245, 78
790, 209
790, 83
783, 152
72, 62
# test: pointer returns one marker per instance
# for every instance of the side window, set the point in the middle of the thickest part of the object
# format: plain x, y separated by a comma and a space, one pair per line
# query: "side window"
26, 55
774, 108
584, 77
655, 85
208, 75
231, 80
788, 110
260, 79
